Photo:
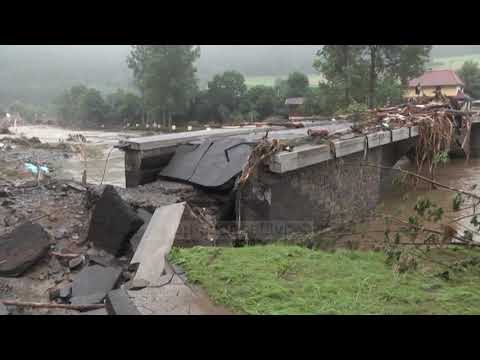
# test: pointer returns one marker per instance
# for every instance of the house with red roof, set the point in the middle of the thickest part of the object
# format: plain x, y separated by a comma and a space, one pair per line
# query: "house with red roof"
447, 81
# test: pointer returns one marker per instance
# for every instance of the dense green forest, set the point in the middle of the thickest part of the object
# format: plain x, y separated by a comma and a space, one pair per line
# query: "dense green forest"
37, 74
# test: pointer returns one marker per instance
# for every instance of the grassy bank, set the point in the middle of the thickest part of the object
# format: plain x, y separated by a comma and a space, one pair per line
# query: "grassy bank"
279, 279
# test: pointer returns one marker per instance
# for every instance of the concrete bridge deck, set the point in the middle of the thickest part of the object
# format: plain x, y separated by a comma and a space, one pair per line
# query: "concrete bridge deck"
303, 187
145, 157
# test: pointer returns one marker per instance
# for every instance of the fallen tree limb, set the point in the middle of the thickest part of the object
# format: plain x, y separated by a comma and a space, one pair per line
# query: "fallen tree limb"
432, 231
52, 305
463, 217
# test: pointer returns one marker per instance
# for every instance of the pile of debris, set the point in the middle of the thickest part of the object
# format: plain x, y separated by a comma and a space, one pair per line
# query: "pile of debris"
124, 250
419, 111
442, 122
444, 125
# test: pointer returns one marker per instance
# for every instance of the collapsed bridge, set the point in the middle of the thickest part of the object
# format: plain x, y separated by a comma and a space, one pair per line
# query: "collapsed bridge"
312, 184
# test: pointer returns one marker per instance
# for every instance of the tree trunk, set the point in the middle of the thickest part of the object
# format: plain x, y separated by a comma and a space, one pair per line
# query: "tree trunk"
404, 83
144, 117
372, 75
346, 55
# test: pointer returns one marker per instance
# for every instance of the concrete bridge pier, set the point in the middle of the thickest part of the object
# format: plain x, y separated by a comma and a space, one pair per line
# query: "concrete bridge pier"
142, 166
475, 140
391, 154
325, 194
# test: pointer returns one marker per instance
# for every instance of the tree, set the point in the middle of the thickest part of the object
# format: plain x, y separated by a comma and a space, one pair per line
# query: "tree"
389, 91
166, 75
227, 90
93, 107
82, 105
69, 104
396, 62
124, 107
262, 100
356, 68
411, 62
297, 85
470, 74
341, 66
281, 89
136, 61
203, 109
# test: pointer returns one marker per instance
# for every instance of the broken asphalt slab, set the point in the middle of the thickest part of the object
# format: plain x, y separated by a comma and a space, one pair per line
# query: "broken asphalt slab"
118, 303
174, 298
92, 284
135, 240
170, 224
113, 222
210, 164
22, 248
157, 242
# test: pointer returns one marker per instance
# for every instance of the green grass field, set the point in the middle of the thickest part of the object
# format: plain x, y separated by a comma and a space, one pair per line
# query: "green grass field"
453, 62
270, 80
279, 279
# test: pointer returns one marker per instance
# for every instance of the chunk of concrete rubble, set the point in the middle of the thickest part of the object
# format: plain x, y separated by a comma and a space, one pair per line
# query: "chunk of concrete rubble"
104, 261
3, 310
113, 222
92, 284
76, 187
65, 292
5, 193
150, 196
22, 248
135, 240
76, 262
118, 303
170, 224
145, 215
136, 284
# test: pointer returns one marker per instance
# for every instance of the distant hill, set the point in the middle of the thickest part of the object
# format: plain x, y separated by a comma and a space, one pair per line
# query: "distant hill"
38, 73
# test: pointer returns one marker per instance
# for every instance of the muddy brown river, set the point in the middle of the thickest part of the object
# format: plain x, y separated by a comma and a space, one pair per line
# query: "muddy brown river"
99, 147
400, 201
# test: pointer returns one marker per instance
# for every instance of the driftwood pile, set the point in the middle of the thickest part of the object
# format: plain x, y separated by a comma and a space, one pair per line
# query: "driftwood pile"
442, 125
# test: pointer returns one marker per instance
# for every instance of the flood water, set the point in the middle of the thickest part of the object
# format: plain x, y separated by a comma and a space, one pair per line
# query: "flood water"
99, 146
400, 201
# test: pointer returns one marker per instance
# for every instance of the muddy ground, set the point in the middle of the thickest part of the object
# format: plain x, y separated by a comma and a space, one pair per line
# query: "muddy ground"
64, 208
